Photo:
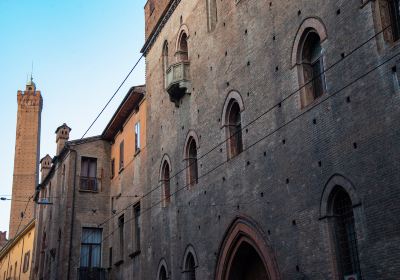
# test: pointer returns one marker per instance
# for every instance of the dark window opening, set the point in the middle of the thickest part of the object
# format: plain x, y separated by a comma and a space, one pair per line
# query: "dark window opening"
313, 68
162, 274
190, 267
112, 168
121, 223
345, 234
26, 261
165, 180
192, 168
88, 174
121, 156
136, 213
234, 126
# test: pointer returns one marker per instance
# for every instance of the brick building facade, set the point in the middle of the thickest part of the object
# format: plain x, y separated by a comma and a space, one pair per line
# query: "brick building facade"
73, 199
274, 140
266, 148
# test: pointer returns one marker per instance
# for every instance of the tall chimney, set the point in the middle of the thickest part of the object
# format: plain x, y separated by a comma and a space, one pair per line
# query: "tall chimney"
45, 165
62, 136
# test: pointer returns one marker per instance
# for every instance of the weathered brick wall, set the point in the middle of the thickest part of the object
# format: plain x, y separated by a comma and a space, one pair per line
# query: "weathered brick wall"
127, 186
84, 209
251, 49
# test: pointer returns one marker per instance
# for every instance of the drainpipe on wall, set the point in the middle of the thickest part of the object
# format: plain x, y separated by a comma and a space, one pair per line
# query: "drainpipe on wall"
72, 216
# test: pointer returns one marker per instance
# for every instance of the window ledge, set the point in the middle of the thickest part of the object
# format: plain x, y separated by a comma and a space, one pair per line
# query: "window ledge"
87, 191
135, 254
118, 263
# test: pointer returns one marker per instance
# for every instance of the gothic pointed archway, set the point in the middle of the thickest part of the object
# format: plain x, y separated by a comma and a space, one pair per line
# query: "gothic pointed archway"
244, 254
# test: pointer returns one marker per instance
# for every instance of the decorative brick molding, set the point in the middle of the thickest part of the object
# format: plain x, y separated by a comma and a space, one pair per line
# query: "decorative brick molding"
241, 230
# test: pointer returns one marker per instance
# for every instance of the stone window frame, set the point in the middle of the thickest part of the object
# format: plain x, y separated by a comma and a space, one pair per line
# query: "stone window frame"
325, 211
189, 251
190, 137
311, 24
232, 97
165, 199
245, 229
178, 52
165, 61
163, 264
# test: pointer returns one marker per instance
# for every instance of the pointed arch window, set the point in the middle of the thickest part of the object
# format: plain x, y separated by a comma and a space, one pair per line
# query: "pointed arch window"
183, 52
165, 61
191, 162
234, 129
312, 68
190, 267
165, 184
345, 234
162, 275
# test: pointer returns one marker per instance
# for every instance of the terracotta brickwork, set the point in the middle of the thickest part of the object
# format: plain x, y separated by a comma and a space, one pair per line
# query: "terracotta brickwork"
291, 149
26, 160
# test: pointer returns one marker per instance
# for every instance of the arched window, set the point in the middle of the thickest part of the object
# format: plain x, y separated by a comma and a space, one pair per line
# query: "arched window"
344, 233
191, 161
390, 19
312, 67
211, 14
190, 267
162, 275
165, 61
234, 129
165, 181
183, 53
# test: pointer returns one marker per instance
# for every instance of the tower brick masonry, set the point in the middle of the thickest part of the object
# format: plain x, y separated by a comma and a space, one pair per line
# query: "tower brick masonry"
26, 160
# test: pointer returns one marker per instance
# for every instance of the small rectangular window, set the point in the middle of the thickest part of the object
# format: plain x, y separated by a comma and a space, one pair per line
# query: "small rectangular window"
137, 137
26, 261
136, 238
88, 174
112, 168
121, 223
121, 156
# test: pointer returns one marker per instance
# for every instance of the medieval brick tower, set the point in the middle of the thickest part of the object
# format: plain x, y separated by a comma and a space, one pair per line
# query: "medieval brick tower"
26, 160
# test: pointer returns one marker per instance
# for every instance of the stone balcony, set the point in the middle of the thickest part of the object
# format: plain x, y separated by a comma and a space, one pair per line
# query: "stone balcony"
178, 81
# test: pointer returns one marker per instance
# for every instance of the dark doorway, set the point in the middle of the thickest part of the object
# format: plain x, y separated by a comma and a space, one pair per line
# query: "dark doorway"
247, 264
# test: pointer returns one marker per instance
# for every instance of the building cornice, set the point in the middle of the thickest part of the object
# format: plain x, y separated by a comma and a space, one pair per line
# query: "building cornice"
10, 244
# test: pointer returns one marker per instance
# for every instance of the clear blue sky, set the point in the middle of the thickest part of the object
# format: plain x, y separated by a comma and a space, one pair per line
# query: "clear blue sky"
82, 50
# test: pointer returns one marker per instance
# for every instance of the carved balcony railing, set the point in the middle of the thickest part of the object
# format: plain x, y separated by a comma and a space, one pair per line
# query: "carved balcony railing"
178, 81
